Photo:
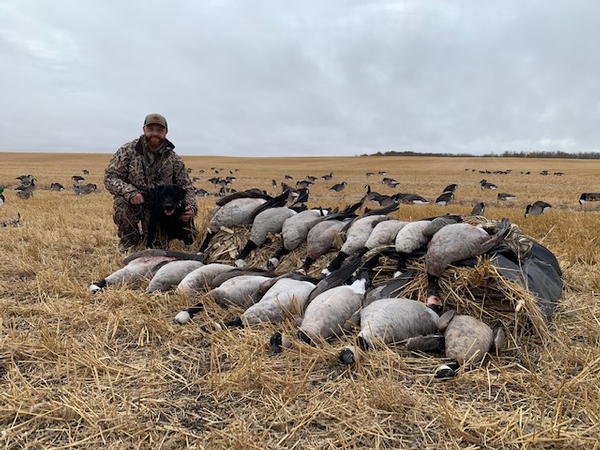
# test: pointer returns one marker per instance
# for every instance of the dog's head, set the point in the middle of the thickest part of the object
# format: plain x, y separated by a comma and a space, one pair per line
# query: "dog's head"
168, 198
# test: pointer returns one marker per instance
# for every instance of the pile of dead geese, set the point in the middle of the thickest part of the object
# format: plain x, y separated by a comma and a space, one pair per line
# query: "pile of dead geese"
453, 285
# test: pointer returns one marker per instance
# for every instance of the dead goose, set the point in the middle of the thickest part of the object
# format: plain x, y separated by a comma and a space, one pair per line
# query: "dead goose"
467, 341
328, 313
294, 232
391, 320
171, 274
357, 233
453, 243
268, 221
139, 265
202, 277
235, 291
288, 297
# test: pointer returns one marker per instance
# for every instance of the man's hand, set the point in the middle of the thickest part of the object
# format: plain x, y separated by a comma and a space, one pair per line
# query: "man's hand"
187, 214
137, 199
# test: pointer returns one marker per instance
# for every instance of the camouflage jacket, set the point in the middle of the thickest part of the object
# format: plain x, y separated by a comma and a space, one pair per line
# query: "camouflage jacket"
131, 171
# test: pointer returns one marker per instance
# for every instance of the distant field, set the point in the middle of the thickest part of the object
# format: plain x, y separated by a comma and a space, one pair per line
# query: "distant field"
112, 371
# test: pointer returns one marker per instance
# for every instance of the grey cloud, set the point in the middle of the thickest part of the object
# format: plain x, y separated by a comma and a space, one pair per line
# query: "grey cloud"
267, 78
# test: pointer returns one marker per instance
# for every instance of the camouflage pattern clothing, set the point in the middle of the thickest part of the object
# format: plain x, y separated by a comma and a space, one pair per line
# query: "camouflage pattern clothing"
135, 169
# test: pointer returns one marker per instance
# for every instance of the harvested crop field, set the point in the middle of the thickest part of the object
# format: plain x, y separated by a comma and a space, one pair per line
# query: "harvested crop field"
112, 370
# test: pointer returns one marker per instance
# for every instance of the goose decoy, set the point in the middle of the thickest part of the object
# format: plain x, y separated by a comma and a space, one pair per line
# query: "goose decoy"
445, 199
56, 187
2, 199
328, 177
451, 188
589, 197
338, 187
484, 184
478, 209
77, 178
410, 199
536, 208
504, 196
26, 180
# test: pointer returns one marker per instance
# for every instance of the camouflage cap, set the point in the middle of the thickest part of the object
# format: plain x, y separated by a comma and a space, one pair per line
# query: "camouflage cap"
157, 119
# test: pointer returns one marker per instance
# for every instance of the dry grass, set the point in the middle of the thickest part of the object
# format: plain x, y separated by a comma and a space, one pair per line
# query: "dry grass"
112, 371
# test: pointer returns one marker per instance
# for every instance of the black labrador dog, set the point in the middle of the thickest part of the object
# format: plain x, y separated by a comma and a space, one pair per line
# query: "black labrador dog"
166, 203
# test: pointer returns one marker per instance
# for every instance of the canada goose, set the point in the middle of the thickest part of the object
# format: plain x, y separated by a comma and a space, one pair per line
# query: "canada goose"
268, 221
453, 243
139, 265
409, 238
478, 209
56, 187
234, 213
338, 187
451, 188
537, 208
391, 320
467, 341
294, 232
484, 184
328, 313
445, 199
238, 290
171, 274
589, 197
357, 233
288, 297
26, 180
25, 192
504, 196
320, 239
201, 278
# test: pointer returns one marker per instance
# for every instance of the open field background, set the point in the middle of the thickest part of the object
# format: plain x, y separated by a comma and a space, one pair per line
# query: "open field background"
112, 371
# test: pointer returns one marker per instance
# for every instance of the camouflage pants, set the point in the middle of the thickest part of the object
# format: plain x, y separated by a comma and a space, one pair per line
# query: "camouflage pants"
128, 218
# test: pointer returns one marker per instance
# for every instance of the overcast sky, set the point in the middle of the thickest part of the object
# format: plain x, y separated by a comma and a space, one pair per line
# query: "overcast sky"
308, 77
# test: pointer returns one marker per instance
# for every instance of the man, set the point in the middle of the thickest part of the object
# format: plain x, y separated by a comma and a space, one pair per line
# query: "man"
136, 168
